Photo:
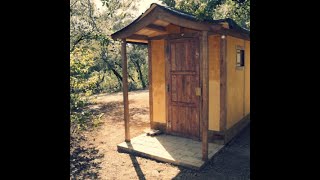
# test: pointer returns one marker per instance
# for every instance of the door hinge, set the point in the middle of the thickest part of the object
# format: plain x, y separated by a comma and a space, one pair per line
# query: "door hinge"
168, 88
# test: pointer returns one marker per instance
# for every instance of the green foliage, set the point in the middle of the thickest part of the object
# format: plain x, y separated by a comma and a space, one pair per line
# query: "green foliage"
170, 3
137, 66
82, 83
201, 9
95, 60
238, 10
81, 79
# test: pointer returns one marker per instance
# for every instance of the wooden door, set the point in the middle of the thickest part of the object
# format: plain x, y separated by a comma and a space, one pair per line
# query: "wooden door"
182, 80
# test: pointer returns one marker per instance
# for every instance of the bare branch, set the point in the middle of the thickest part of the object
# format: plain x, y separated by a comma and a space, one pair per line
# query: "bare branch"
73, 3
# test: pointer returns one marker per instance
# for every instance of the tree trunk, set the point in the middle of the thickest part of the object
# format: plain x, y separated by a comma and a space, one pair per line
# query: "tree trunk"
117, 74
140, 74
98, 83
128, 72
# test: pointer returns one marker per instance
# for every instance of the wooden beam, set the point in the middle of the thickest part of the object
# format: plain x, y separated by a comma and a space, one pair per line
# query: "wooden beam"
138, 37
223, 83
205, 93
157, 28
175, 36
136, 26
184, 22
232, 33
164, 36
125, 90
214, 33
167, 80
150, 83
182, 29
160, 13
131, 41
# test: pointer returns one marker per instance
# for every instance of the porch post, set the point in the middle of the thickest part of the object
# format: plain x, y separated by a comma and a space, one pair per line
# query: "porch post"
150, 83
223, 85
205, 93
125, 89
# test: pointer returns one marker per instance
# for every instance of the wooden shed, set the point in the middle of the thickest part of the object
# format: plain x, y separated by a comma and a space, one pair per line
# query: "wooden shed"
199, 74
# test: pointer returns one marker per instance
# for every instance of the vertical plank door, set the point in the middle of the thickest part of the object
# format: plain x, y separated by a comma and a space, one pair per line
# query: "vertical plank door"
183, 83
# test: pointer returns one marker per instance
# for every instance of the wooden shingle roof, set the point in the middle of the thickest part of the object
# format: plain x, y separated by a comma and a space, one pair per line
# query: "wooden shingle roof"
153, 22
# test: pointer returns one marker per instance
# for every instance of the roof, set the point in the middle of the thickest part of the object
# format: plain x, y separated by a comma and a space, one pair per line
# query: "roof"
166, 15
232, 23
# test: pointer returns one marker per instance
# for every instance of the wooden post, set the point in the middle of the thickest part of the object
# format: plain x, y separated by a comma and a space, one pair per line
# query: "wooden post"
205, 93
223, 84
125, 90
150, 83
167, 73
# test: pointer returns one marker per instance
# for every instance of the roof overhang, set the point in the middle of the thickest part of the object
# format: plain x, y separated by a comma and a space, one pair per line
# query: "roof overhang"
154, 21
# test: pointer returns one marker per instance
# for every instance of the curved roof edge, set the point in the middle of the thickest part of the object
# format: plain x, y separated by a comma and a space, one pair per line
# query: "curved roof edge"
232, 24
230, 21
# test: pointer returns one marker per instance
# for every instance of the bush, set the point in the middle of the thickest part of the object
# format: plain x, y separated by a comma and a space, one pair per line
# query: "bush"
82, 84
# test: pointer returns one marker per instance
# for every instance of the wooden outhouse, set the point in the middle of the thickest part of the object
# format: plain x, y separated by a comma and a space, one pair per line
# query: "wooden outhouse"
199, 74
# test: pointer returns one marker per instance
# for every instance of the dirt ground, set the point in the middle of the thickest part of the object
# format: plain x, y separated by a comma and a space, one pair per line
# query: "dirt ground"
94, 155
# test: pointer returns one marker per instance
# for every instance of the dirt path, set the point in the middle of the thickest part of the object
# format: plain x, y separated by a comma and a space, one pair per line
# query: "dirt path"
94, 155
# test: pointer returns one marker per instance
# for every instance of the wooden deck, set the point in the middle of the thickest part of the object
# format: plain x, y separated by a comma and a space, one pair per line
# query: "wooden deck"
171, 149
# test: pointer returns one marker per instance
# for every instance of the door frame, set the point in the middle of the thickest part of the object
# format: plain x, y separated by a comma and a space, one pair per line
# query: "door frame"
167, 75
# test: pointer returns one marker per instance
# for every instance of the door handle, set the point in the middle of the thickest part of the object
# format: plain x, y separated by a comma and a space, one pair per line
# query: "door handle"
198, 91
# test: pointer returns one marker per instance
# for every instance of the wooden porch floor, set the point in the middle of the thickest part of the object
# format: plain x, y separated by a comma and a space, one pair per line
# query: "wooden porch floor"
172, 149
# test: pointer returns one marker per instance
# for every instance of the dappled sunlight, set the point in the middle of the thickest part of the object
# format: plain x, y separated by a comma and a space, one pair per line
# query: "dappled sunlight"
96, 155
85, 161
112, 51
167, 148
112, 107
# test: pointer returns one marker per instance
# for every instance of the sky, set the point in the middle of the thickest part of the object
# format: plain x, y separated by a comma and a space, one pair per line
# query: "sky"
143, 5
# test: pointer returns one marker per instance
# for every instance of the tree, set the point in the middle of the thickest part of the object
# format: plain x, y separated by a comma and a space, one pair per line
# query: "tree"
137, 55
170, 3
82, 83
95, 62
238, 10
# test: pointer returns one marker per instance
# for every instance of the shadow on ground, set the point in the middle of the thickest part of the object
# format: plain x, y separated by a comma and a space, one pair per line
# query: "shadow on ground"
137, 167
114, 111
84, 161
134, 92
231, 162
